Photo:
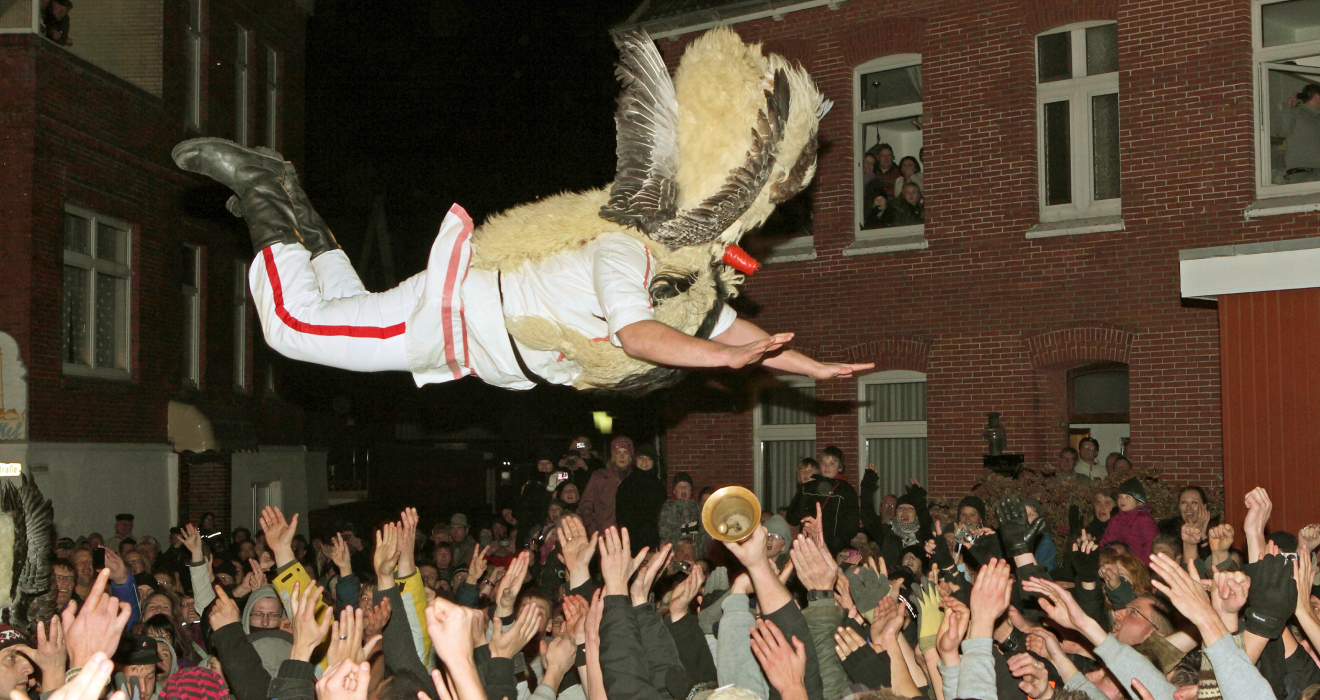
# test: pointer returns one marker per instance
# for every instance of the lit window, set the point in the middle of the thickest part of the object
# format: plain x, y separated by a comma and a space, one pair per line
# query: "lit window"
240, 325
887, 119
892, 428
191, 266
1287, 59
242, 81
192, 112
97, 289
783, 432
272, 98
1077, 111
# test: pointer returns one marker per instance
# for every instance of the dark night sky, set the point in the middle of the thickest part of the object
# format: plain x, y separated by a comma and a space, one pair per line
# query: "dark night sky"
487, 104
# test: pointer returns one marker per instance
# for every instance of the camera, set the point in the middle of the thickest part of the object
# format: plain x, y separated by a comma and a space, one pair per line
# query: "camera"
579, 445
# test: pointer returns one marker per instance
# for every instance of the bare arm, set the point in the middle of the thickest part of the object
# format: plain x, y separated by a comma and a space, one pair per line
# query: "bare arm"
743, 331
657, 343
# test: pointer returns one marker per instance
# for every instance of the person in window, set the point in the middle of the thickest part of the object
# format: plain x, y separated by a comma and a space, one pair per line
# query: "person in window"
868, 169
1087, 451
878, 212
909, 209
886, 171
55, 20
909, 171
1301, 126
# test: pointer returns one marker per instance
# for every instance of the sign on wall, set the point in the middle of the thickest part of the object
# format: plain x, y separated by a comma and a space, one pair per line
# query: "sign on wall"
13, 392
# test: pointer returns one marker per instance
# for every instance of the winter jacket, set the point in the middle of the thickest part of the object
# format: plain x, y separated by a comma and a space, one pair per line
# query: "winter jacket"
679, 519
401, 650
623, 663
596, 507
824, 617
642, 496
1135, 528
840, 512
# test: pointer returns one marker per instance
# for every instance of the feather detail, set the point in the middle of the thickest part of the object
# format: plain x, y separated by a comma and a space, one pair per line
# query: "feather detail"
33, 518
644, 193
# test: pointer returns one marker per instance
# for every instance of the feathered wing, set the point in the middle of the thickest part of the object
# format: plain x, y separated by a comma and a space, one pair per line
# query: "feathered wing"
34, 545
645, 194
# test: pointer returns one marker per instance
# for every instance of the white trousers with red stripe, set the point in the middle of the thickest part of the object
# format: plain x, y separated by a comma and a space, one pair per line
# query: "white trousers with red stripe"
318, 311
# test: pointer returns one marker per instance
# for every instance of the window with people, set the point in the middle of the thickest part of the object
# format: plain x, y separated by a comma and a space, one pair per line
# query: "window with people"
1287, 53
890, 159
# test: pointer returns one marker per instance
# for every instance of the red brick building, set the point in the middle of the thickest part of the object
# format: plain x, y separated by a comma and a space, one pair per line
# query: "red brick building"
123, 303
1074, 153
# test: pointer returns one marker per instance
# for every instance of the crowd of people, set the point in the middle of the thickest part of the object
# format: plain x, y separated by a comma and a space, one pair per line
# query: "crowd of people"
892, 192
599, 583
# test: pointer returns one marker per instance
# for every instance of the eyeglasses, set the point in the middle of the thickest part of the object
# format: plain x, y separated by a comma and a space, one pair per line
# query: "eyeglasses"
266, 617
770, 540
1132, 609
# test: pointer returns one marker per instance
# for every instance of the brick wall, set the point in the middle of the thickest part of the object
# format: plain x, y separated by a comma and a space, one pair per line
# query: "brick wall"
204, 488
993, 318
73, 133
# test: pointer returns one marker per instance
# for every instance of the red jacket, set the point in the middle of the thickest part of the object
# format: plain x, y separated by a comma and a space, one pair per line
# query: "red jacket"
596, 507
1134, 528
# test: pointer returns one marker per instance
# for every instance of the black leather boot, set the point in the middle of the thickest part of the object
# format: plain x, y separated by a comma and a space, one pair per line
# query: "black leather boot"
316, 234
254, 176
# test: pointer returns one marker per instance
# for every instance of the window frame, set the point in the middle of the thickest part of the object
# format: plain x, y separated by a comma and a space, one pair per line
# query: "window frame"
1071, 378
860, 120
240, 320
242, 85
272, 97
1261, 57
771, 433
191, 291
1079, 91
96, 266
867, 430
193, 33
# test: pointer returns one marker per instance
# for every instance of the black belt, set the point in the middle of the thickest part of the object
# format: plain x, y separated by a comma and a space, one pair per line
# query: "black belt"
527, 372
1294, 171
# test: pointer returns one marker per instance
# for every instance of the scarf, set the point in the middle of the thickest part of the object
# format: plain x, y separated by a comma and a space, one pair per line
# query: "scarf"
907, 532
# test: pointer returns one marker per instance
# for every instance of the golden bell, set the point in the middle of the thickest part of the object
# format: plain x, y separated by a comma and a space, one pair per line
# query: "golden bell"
731, 514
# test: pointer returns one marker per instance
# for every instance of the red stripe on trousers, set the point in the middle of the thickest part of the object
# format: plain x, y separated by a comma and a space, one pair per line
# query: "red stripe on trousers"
446, 305
314, 329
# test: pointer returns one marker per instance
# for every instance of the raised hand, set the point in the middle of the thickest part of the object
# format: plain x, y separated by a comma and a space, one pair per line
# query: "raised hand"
784, 664
1062, 607
346, 635
450, 627
953, 629
340, 555
407, 534
1043, 643
1259, 508
886, 624
118, 570
1018, 535
990, 596
1228, 593
815, 568
50, 655
376, 617
680, 602
847, 641
344, 681
192, 539
386, 556
307, 632
1221, 538
640, 590
505, 643
1035, 678
575, 614
751, 551
223, 610
1191, 534
507, 592
1308, 538
1304, 575
477, 566
1183, 588
843, 593
279, 533
87, 685
576, 549
616, 561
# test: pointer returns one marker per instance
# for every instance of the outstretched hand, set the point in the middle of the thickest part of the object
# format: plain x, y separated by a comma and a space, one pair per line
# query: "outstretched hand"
738, 356
838, 369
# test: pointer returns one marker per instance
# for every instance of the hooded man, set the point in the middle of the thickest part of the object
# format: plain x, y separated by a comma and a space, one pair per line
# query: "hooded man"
680, 516
135, 666
596, 507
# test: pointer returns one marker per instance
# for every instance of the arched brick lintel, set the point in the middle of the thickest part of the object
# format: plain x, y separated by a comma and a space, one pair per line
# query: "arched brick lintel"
891, 351
1079, 344
879, 39
1043, 15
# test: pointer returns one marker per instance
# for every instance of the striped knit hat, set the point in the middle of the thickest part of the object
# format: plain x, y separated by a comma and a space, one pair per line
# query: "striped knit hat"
196, 683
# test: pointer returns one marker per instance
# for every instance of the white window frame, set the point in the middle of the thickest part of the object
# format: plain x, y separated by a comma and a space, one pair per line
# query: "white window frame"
860, 120
765, 433
240, 308
1078, 91
242, 84
272, 98
92, 264
192, 339
1261, 58
892, 429
192, 113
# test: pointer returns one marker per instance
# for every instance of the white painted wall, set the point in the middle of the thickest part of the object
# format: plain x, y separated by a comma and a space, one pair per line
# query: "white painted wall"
1109, 435
289, 466
90, 483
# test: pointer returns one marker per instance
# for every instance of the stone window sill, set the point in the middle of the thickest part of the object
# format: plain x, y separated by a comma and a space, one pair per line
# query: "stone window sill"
1277, 206
890, 240
1075, 227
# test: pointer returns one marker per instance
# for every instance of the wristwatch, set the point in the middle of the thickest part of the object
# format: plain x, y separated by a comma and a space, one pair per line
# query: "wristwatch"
813, 596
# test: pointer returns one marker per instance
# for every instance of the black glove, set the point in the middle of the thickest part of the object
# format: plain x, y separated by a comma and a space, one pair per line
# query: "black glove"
1087, 566
1019, 536
1074, 520
1273, 596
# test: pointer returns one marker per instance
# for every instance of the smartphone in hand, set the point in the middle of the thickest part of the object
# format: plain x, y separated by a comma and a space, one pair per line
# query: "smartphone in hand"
98, 558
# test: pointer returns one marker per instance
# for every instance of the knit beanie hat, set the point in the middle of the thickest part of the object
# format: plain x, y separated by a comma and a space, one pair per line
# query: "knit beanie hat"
975, 502
683, 476
196, 683
622, 441
1134, 488
9, 636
